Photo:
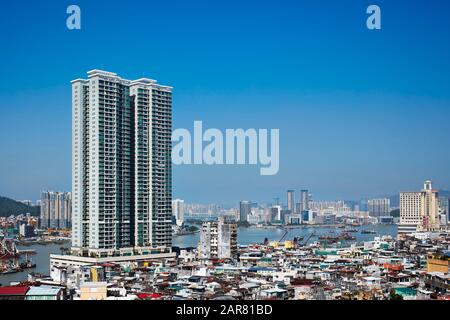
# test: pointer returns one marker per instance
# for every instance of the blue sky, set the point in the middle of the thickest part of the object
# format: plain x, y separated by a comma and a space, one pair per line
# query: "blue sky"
361, 113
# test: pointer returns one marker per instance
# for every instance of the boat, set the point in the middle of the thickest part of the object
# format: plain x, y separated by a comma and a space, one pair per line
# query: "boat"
368, 231
298, 239
326, 238
355, 224
9, 271
329, 239
346, 236
27, 265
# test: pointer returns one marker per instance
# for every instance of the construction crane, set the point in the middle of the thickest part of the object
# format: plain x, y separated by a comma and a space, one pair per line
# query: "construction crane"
308, 238
8, 247
286, 231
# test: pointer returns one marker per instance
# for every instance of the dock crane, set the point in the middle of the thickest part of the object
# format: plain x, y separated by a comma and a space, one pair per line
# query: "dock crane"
308, 238
286, 231
266, 241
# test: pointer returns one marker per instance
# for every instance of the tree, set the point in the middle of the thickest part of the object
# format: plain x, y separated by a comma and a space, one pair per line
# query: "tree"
11, 207
395, 213
395, 296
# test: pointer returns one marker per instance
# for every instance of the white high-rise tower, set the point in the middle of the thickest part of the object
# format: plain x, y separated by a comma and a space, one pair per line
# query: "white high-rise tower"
178, 211
121, 166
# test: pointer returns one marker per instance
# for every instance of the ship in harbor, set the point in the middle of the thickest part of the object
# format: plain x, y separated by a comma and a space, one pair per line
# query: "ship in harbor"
344, 236
13, 260
368, 232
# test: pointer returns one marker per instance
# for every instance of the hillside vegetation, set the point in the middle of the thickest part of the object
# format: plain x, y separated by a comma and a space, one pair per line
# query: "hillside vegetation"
12, 207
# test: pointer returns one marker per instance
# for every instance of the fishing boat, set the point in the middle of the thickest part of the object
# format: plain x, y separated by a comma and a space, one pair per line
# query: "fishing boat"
10, 257
368, 231
327, 238
346, 236
27, 265
9, 271
355, 224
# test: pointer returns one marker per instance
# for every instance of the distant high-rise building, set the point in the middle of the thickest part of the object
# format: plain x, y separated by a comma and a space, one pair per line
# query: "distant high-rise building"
379, 207
298, 208
178, 211
336, 206
304, 200
419, 211
121, 172
285, 216
308, 216
56, 210
245, 208
218, 239
276, 213
26, 231
444, 205
276, 201
290, 200
363, 205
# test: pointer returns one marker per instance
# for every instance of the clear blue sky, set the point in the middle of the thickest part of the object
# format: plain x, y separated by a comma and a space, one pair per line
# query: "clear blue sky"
361, 113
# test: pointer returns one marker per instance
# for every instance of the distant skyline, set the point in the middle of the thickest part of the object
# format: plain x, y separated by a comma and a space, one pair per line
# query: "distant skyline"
361, 113
282, 200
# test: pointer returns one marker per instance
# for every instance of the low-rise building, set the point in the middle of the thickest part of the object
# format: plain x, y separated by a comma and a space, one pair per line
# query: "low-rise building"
438, 263
93, 291
45, 293
13, 292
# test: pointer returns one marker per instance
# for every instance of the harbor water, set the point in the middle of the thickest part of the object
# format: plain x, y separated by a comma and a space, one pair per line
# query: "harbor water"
41, 259
245, 236
256, 235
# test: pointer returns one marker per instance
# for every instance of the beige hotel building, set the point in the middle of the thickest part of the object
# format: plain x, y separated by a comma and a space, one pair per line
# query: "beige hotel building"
419, 210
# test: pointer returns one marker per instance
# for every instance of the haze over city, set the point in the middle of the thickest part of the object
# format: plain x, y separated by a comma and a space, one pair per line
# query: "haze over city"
360, 114
225, 158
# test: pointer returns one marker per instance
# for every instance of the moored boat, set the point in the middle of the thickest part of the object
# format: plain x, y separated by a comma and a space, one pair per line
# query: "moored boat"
368, 231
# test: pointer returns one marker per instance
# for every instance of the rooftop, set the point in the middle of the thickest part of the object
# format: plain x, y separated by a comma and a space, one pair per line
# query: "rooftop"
13, 290
43, 291
94, 284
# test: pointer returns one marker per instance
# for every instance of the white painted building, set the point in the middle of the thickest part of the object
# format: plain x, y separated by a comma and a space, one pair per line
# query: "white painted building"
178, 211
218, 239
379, 207
121, 164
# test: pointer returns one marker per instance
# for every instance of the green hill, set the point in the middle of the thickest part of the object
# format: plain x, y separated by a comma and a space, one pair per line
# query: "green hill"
12, 207
395, 213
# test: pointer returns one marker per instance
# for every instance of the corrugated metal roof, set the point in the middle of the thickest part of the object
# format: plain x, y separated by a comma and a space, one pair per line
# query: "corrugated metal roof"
43, 291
